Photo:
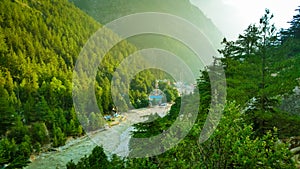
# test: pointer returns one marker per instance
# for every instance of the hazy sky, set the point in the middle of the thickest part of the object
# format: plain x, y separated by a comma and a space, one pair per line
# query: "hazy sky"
234, 16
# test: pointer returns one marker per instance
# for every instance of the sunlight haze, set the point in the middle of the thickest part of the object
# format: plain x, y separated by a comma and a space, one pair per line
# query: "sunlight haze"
233, 16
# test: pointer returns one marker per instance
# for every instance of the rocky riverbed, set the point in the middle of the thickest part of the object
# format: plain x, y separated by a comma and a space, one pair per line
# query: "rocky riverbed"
114, 141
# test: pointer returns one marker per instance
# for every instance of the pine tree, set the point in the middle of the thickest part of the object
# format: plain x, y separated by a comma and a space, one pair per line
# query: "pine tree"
7, 113
294, 30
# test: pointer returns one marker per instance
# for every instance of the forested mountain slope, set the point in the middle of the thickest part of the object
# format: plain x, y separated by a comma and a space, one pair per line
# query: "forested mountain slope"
39, 44
105, 11
259, 127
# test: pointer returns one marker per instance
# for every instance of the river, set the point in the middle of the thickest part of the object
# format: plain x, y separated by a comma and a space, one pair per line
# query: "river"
114, 141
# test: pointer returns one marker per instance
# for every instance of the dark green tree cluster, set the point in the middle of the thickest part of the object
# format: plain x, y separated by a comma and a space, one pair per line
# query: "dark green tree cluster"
290, 37
169, 90
106, 11
39, 44
261, 70
232, 145
260, 73
98, 159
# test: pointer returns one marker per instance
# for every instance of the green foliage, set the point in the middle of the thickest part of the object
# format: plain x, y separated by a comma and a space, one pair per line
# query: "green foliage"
97, 159
58, 137
233, 145
105, 11
6, 111
292, 33
39, 45
259, 72
170, 91
8, 150
19, 131
13, 155
95, 121
40, 134
155, 124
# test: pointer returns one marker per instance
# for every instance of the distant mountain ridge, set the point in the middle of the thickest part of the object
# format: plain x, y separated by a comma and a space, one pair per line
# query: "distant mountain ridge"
105, 11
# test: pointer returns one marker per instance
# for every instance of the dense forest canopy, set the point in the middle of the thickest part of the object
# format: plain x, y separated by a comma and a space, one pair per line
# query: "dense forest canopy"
39, 45
262, 76
106, 11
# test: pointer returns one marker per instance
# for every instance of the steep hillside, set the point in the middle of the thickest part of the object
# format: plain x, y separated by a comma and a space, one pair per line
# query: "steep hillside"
259, 127
105, 11
39, 45
40, 41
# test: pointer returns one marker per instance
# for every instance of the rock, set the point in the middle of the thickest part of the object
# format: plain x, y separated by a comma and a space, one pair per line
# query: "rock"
32, 158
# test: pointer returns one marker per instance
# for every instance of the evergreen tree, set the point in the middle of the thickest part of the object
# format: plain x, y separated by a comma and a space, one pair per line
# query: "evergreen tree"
40, 133
59, 138
6, 112
294, 30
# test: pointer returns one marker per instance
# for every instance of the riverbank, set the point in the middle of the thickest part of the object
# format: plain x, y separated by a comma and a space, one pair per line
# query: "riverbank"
114, 140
